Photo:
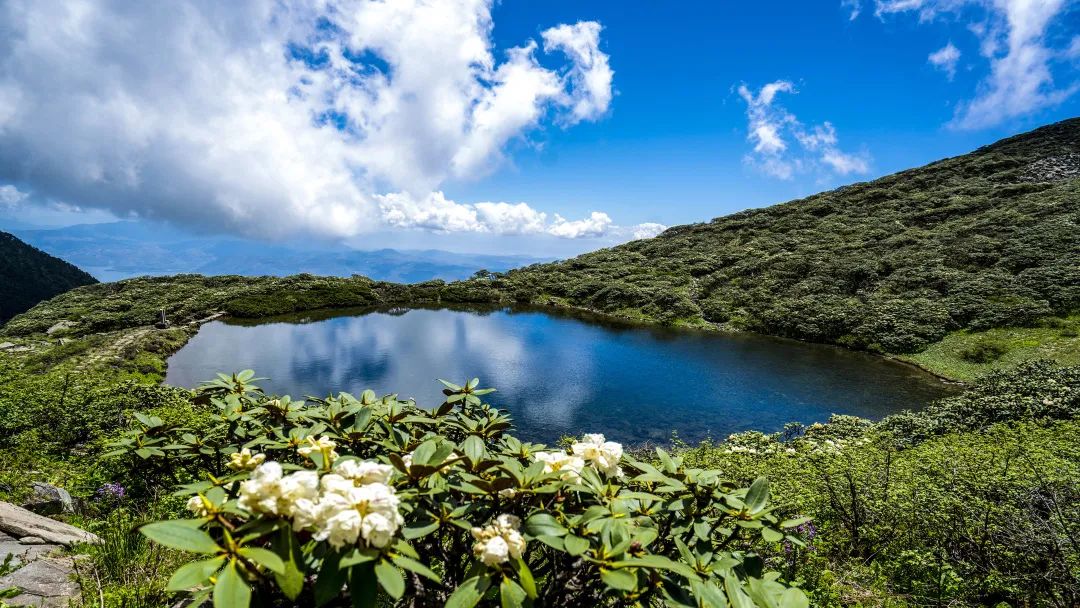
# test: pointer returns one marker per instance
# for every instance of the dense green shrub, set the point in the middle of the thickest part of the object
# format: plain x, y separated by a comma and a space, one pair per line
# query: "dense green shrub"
387, 499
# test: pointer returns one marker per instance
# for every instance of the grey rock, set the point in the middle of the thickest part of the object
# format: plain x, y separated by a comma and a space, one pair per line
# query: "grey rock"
32, 540
6, 345
45, 582
48, 499
23, 554
19, 522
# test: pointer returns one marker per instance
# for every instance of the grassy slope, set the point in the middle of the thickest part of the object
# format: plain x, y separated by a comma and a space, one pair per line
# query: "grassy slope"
980, 241
29, 276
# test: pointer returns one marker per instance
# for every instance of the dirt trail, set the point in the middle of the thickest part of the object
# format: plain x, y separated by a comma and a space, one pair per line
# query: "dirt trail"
113, 349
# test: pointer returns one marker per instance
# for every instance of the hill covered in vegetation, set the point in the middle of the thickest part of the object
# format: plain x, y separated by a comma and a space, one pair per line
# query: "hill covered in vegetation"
29, 275
989, 239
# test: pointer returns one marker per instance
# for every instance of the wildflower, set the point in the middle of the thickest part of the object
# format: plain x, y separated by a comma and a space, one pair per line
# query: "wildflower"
199, 506
245, 460
363, 471
568, 467
349, 513
270, 492
603, 455
323, 444
500, 541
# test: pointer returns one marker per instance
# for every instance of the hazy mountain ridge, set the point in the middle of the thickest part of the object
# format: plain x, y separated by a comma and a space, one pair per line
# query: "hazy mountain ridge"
29, 275
120, 250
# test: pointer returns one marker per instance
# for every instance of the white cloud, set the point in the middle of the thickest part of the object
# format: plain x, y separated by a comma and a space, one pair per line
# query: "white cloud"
268, 117
770, 123
1015, 38
854, 8
647, 230
945, 59
437, 213
597, 224
590, 73
11, 197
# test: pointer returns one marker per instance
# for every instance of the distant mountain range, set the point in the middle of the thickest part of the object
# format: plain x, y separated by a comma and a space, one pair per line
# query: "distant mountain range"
120, 250
28, 276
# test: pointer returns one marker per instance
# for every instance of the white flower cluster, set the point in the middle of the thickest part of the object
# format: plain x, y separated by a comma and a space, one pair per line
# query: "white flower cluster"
604, 455
353, 502
496, 543
592, 450
245, 460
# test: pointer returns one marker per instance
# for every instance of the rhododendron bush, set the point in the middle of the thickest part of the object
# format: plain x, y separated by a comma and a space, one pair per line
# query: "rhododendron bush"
374, 501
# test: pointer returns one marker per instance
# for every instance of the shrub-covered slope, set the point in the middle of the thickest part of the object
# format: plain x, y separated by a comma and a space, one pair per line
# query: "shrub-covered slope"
29, 276
988, 239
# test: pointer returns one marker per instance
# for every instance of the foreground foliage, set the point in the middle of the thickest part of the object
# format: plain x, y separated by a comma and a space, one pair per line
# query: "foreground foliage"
379, 496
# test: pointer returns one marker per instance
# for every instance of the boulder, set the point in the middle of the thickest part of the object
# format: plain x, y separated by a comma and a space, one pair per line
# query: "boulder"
19, 523
47, 499
47, 582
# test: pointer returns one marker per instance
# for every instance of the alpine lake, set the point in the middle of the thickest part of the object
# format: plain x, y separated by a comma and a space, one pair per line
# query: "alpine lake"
561, 374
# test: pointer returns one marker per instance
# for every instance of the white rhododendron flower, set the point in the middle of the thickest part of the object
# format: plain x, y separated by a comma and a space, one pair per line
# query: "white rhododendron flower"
499, 541
245, 460
197, 505
364, 471
567, 466
351, 505
270, 492
323, 444
345, 508
604, 455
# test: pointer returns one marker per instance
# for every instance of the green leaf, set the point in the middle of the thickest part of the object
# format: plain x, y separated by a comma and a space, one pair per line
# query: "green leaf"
575, 545
362, 587
771, 536
794, 598
473, 447
794, 523
231, 591
412, 565
511, 595
758, 495
194, 574
418, 531
330, 581
291, 581
543, 524
525, 577
265, 558
390, 578
180, 534
469, 593
623, 580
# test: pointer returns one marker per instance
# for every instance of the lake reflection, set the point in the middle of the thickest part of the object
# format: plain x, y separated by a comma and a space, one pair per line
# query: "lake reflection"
561, 375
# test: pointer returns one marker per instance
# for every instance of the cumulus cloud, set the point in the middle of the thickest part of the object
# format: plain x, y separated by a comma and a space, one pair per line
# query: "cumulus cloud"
436, 213
11, 197
647, 230
769, 127
945, 59
1017, 39
267, 117
854, 8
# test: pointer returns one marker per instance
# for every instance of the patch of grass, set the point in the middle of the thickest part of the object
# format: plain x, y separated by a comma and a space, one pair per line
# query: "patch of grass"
966, 355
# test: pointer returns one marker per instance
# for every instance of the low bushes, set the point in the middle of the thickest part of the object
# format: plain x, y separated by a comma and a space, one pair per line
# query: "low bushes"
357, 499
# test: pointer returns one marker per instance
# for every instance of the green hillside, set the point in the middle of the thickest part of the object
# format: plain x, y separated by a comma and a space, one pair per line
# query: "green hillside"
29, 276
988, 239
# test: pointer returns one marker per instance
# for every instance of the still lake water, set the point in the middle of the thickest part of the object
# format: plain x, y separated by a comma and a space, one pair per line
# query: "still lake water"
563, 375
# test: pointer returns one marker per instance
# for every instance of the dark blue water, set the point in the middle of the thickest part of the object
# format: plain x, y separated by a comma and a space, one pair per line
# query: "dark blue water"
560, 375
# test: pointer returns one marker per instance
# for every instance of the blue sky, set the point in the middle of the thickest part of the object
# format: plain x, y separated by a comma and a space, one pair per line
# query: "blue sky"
669, 139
